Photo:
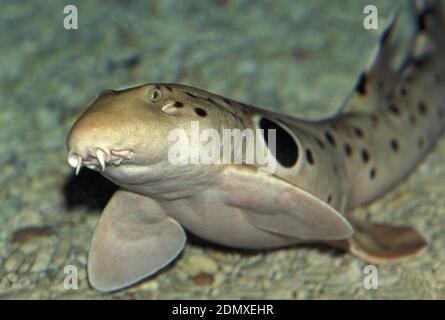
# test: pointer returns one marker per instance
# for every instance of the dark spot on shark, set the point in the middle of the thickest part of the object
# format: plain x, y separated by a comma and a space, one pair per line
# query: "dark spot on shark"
191, 95
422, 108
330, 138
393, 108
309, 156
348, 149
358, 132
360, 87
329, 199
286, 152
200, 112
169, 88
210, 99
178, 104
421, 23
365, 155
394, 145
422, 19
372, 173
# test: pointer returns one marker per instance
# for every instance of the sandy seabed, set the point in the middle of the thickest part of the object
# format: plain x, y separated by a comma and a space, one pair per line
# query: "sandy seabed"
298, 57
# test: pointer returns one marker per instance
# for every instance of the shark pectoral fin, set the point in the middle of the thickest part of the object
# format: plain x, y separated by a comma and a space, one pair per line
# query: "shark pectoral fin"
132, 240
382, 243
274, 205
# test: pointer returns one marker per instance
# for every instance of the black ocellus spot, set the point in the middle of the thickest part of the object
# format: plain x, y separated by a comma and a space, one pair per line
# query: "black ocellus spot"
286, 149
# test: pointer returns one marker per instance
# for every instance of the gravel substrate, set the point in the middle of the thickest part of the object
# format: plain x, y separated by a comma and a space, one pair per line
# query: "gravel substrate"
298, 57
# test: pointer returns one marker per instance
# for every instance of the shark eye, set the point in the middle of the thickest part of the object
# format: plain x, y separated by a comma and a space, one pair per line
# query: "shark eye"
154, 95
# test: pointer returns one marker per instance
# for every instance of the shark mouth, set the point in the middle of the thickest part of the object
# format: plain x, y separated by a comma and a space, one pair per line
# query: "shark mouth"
99, 159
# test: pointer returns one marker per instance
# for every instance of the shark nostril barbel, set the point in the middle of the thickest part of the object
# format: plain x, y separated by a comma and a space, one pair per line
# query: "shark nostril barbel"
75, 161
126, 154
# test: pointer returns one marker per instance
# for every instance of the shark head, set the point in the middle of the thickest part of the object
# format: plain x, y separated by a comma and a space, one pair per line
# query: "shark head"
128, 135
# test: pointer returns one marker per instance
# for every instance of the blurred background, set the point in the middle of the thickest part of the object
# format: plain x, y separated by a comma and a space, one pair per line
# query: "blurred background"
300, 58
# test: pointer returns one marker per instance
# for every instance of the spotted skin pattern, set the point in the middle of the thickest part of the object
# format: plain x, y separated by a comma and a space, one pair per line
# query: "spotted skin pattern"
323, 169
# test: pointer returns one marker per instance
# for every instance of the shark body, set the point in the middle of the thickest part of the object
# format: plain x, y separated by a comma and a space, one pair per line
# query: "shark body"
323, 169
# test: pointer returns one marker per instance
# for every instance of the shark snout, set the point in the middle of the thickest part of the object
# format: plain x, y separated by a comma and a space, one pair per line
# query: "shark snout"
91, 144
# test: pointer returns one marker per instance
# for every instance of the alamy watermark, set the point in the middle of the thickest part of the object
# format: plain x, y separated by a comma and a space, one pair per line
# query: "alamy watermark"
234, 146
371, 20
71, 20
71, 280
371, 280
